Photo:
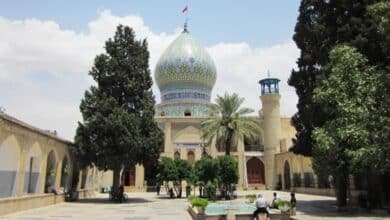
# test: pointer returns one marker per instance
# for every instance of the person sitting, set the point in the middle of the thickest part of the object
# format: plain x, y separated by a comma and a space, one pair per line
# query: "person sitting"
261, 206
274, 201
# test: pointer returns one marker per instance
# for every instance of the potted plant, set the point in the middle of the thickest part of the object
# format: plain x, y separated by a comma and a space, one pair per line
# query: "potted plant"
200, 204
251, 198
284, 207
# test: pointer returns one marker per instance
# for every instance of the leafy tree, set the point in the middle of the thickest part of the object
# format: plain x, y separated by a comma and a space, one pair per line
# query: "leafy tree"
118, 128
167, 171
228, 123
227, 172
353, 139
183, 173
321, 26
206, 169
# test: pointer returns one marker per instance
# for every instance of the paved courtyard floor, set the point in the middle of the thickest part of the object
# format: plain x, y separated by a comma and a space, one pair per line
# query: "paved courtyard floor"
147, 206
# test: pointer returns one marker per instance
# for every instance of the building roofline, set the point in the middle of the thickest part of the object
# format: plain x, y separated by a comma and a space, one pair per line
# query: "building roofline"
32, 128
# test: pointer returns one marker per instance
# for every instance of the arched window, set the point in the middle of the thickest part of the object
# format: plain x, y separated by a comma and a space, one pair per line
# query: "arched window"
50, 172
187, 112
176, 155
191, 157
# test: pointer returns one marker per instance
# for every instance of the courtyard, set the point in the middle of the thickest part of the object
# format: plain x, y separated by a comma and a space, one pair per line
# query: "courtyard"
148, 206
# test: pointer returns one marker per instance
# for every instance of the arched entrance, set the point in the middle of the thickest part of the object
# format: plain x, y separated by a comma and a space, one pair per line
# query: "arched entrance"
51, 168
287, 177
191, 157
65, 172
128, 177
9, 163
255, 171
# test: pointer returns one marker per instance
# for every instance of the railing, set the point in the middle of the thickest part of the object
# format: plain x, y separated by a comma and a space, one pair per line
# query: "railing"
254, 147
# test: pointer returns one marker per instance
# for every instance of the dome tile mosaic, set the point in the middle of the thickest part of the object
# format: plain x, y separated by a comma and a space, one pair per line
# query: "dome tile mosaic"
185, 74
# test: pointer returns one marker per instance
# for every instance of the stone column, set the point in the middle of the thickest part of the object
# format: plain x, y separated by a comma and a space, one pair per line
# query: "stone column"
183, 153
140, 177
198, 153
21, 173
42, 175
57, 182
167, 139
241, 161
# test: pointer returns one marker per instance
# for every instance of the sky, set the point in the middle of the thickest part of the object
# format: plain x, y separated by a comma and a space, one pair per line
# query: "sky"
47, 48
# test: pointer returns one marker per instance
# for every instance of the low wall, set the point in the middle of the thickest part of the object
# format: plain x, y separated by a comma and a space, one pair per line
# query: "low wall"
277, 215
315, 191
17, 204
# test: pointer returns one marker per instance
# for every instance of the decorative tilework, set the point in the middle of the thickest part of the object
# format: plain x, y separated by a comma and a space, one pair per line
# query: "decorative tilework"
185, 75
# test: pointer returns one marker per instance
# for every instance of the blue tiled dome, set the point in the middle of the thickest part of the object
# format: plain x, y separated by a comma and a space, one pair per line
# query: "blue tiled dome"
185, 71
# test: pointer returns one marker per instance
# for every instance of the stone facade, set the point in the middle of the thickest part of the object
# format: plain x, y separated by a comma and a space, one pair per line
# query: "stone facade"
34, 161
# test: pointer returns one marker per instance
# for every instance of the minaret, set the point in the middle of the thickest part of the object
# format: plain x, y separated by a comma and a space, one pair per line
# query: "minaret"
271, 125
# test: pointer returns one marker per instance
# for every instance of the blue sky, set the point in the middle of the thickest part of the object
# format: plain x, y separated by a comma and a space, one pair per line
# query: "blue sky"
259, 23
47, 48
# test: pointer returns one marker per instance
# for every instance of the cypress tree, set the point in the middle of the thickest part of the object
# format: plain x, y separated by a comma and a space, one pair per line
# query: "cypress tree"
118, 128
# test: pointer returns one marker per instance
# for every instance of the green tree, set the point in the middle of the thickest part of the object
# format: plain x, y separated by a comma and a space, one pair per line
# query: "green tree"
167, 171
206, 170
353, 139
322, 25
183, 173
227, 172
228, 122
118, 128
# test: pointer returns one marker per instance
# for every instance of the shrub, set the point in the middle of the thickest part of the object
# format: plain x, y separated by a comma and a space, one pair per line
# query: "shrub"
191, 197
199, 202
283, 205
211, 190
250, 196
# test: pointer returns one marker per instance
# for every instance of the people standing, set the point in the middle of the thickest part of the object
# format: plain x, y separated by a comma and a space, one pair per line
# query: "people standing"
274, 201
293, 202
158, 187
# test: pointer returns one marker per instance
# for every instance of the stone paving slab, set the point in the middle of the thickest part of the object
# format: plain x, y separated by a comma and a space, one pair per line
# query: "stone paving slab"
140, 206
147, 206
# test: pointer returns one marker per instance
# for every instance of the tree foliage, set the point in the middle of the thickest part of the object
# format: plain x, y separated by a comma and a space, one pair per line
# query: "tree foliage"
321, 26
227, 172
206, 169
118, 128
176, 170
229, 123
357, 136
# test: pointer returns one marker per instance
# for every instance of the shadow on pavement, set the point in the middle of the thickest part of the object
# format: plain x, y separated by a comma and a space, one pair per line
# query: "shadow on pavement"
107, 201
321, 208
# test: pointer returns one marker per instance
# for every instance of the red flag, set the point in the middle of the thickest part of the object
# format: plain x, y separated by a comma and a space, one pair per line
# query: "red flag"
185, 9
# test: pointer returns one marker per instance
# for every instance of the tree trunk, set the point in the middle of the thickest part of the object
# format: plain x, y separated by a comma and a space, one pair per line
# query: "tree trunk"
228, 144
341, 191
115, 180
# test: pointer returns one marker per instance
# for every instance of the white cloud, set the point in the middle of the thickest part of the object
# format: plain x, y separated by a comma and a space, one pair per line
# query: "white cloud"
43, 67
240, 67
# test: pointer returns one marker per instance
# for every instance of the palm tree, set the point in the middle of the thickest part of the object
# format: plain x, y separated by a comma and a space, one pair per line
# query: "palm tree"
229, 123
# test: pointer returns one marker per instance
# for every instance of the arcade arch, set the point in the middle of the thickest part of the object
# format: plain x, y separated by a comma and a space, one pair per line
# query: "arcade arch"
51, 170
9, 166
